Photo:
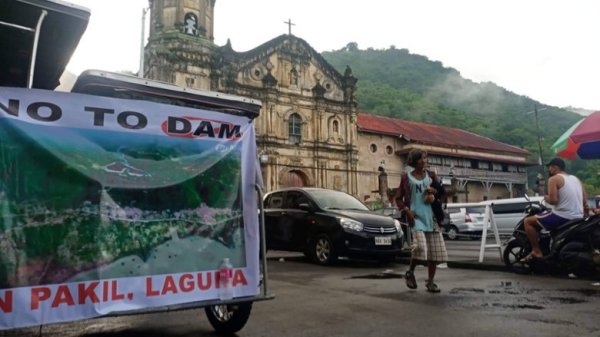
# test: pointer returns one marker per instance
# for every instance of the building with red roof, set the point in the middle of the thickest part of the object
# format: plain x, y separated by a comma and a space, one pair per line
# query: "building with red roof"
473, 167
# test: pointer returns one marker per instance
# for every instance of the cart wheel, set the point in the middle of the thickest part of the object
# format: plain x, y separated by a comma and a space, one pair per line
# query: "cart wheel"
228, 319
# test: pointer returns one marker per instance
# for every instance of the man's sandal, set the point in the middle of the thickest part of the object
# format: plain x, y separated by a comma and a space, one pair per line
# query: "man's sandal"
529, 258
411, 282
432, 287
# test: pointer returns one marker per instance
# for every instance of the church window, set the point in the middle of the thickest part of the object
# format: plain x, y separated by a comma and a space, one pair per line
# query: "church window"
295, 129
335, 127
190, 82
389, 149
373, 148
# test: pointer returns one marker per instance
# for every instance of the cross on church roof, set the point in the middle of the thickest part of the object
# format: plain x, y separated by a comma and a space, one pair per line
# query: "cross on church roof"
290, 24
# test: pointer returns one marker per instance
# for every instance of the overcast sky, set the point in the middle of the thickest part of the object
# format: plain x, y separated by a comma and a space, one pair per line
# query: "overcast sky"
548, 50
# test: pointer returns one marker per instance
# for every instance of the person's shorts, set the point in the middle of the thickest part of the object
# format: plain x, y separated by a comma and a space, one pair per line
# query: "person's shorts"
550, 221
429, 246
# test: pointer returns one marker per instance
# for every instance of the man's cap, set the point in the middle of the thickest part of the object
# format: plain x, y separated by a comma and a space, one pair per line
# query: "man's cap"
557, 162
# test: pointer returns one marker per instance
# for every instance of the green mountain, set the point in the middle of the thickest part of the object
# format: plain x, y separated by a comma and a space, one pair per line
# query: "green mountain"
393, 82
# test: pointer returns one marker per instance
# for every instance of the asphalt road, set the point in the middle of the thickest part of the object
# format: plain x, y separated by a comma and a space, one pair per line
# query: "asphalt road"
466, 249
359, 298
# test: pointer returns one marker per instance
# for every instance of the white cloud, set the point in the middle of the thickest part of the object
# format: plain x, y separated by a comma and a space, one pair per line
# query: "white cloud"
545, 49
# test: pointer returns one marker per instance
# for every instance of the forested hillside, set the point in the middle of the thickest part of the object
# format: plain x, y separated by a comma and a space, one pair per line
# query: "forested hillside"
393, 82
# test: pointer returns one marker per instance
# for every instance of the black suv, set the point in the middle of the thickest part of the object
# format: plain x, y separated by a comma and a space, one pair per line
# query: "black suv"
325, 224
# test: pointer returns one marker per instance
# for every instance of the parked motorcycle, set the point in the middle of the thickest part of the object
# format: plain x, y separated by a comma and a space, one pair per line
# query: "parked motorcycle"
572, 248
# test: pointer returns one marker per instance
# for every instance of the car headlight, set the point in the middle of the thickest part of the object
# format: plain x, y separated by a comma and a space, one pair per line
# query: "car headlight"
351, 224
398, 226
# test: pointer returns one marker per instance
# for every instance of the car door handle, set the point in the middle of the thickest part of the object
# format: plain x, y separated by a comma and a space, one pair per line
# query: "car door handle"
283, 213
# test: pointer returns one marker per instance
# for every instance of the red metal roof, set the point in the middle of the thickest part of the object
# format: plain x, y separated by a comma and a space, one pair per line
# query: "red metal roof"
471, 156
434, 134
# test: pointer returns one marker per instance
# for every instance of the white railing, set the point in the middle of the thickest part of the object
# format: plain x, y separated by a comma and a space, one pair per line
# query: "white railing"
467, 173
488, 221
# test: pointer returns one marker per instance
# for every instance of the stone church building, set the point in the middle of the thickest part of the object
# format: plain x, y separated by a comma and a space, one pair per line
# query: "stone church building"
309, 132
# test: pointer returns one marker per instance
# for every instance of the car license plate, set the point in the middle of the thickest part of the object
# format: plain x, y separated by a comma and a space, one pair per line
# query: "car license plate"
383, 241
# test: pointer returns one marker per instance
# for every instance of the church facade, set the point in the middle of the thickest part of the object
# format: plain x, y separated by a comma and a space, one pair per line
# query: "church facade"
308, 133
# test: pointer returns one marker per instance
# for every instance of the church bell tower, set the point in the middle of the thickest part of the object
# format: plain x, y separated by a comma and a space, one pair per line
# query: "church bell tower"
180, 48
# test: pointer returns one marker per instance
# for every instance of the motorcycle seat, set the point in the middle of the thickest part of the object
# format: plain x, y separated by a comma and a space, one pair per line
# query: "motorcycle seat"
564, 226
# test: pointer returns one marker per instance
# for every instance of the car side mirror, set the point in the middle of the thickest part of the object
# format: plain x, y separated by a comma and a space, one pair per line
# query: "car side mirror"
304, 207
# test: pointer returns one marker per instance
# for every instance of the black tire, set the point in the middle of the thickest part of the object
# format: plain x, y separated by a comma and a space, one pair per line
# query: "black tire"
513, 253
228, 319
452, 233
322, 250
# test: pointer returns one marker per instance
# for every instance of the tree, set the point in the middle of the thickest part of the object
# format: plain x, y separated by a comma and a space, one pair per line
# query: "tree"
396, 83
351, 47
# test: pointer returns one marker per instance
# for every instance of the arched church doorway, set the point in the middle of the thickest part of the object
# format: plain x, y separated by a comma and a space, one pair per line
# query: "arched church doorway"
294, 179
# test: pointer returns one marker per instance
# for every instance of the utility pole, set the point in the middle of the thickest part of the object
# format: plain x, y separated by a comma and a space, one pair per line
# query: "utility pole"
141, 71
537, 126
543, 163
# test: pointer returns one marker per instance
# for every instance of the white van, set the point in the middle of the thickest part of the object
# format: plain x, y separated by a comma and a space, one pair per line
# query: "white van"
508, 212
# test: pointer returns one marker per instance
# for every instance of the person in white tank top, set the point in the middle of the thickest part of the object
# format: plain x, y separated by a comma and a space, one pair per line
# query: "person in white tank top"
568, 196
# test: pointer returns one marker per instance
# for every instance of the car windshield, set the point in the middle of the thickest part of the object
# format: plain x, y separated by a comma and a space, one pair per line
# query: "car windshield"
337, 200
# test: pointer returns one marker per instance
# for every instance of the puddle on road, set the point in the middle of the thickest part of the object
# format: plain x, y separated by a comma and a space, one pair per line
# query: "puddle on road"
500, 297
466, 290
504, 296
379, 276
552, 321
584, 292
514, 306
567, 300
516, 297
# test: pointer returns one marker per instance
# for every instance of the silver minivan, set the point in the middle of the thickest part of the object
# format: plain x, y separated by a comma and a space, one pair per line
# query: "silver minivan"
508, 212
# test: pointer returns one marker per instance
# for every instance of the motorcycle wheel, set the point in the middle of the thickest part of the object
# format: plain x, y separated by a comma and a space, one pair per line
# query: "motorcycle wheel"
513, 253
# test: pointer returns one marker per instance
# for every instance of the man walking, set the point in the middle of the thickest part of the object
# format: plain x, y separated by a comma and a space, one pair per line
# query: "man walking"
568, 196
415, 197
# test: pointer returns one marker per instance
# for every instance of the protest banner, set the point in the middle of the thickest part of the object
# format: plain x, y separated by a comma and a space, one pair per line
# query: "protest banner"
111, 205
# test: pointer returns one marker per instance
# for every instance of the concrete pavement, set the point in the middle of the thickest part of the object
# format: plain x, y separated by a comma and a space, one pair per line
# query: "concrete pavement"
356, 298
